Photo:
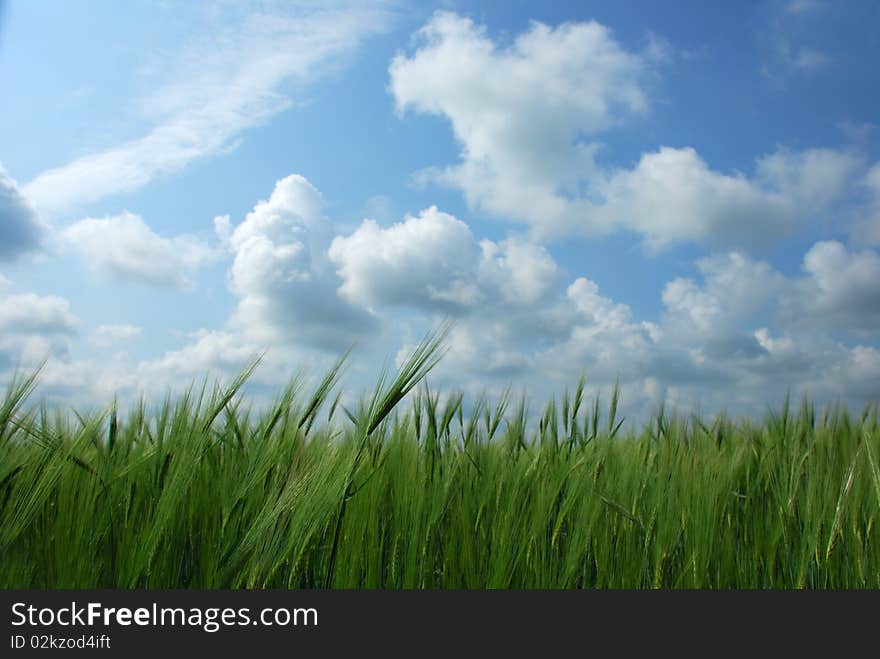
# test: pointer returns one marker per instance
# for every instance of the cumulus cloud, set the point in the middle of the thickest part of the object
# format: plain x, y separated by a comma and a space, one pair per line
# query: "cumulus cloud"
524, 115
604, 339
124, 246
728, 340
529, 118
514, 314
810, 178
765, 332
20, 228
859, 374
672, 195
709, 325
733, 286
429, 261
287, 306
842, 289
209, 355
227, 80
32, 328
209, 351
299, 290
283, 278
547, 344
522, 271
28, 312
433, 262
734, 337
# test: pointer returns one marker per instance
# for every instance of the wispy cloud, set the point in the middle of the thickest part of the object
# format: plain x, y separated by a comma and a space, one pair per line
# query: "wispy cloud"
230, 79
805, 7
107, 335
803, 59
789, 34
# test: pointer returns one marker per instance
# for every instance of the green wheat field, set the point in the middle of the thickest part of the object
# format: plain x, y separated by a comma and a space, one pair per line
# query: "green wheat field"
415, 493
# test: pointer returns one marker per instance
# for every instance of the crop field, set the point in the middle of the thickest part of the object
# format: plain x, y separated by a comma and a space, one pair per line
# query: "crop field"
407, 492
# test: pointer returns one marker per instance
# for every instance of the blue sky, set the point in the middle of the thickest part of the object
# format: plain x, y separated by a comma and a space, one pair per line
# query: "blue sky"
682, 196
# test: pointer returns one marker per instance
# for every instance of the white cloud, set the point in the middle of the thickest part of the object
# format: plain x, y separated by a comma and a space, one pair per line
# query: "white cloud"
287, 307
33, 328
734, 286
209, 351
28, 312
842, 290
124, 246
754, 332
291, 299
522, 271
672, 195
223, 82
20, 228
604, 339
734, 336
514, 314
429, 261
210, 354
860, 373
280, 272
745, 313
529, 117
523, 114
433, 262
709, 326
810, 178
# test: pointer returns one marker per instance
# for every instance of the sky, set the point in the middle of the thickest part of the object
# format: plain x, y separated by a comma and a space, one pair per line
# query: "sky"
682, 197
